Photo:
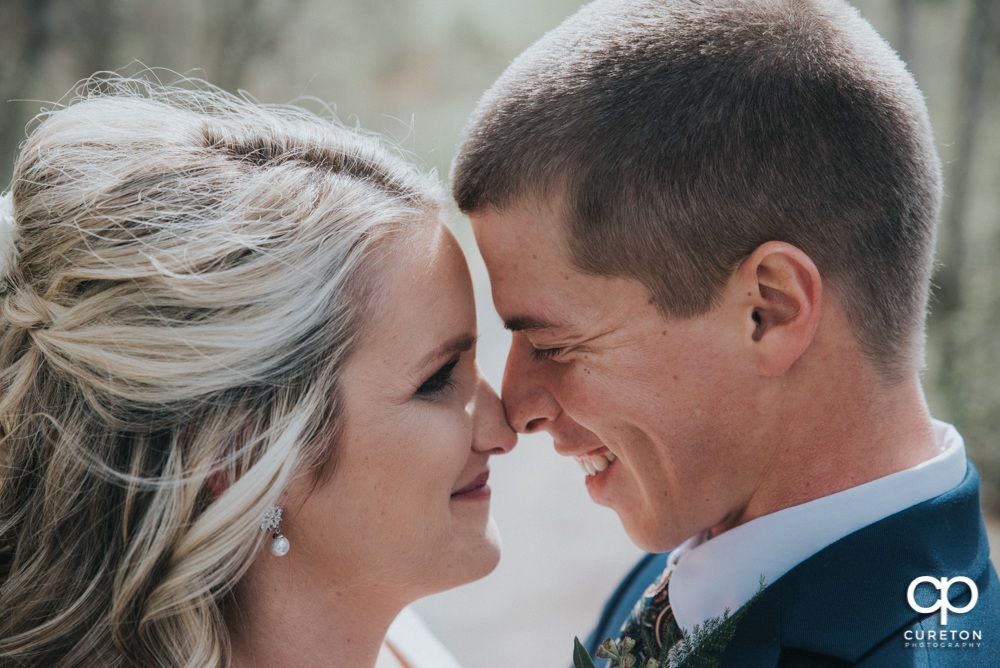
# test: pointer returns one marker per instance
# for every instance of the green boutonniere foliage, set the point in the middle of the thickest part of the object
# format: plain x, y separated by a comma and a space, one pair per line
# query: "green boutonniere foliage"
699, 650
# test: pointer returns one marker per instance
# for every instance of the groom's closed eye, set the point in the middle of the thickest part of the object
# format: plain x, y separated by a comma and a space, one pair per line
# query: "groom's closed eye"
541, 354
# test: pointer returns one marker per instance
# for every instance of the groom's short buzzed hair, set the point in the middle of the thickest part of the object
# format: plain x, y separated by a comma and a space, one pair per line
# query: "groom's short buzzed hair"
677, 136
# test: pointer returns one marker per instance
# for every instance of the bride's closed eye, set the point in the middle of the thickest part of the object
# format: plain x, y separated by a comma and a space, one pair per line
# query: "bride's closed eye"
440, 381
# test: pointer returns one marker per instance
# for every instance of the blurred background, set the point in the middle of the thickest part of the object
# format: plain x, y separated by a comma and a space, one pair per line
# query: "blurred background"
413, 70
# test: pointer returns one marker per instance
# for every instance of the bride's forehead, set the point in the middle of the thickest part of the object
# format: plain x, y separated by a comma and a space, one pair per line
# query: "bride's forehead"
425, 296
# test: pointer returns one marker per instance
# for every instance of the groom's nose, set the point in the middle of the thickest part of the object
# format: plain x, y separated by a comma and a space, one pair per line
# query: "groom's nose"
526, 393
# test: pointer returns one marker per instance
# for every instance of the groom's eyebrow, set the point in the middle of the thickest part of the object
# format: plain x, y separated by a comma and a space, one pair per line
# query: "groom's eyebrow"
527, 323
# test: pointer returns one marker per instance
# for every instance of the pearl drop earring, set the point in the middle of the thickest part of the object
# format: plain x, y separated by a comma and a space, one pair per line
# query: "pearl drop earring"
272, 519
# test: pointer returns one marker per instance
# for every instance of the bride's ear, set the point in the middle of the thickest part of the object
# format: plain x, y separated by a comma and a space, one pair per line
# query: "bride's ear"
779, 301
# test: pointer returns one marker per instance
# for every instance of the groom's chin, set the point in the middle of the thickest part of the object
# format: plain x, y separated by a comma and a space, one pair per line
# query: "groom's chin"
645, 525
639, 531
650, 535
601, 486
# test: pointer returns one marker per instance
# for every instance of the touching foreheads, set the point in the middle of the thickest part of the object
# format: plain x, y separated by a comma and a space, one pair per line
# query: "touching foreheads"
678, 136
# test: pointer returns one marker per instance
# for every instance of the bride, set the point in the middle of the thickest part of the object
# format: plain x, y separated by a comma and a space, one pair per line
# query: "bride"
241, 420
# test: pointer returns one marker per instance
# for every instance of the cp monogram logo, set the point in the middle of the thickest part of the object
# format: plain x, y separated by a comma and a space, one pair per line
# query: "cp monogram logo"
943, 603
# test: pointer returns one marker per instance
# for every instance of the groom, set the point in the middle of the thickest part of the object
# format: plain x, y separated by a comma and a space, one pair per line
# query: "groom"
710, 227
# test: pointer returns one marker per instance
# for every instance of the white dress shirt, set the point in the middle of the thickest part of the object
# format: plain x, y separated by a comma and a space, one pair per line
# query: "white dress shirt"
710, 576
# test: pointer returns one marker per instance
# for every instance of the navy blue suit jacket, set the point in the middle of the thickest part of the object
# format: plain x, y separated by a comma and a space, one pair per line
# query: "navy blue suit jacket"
846, 605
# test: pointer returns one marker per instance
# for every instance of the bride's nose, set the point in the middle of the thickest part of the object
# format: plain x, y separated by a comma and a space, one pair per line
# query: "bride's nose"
490, 432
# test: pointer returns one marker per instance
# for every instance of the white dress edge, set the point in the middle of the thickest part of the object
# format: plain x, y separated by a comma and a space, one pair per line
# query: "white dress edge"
412, 640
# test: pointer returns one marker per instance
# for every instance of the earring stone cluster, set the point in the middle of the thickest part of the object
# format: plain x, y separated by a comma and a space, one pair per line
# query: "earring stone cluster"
272, 520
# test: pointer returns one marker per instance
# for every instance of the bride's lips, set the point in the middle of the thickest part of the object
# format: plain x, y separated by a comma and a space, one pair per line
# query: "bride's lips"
477, 489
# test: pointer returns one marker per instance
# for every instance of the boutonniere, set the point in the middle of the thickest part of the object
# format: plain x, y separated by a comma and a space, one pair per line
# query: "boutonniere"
700, 649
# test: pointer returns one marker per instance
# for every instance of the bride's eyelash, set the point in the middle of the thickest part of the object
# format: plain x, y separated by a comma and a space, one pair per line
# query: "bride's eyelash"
440, 381
540, 354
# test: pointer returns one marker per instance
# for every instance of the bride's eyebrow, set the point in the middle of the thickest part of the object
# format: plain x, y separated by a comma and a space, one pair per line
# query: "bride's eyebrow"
459, 344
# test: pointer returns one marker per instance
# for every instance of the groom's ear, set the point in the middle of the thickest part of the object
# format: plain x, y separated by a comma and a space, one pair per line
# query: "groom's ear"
778, 302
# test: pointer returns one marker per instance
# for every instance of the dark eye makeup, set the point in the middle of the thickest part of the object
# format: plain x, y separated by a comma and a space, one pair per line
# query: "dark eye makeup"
440, 381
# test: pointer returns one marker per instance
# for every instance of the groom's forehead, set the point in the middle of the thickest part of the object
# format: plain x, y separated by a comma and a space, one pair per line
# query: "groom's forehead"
524, 239
537, 289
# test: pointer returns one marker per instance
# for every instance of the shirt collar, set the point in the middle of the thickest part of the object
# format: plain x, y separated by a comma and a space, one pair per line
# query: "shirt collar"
710, 576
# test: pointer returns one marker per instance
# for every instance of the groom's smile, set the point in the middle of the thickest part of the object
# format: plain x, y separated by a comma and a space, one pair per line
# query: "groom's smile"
595, 363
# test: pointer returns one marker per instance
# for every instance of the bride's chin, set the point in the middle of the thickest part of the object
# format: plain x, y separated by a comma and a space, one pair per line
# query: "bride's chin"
493, 545
472, 555
482, 555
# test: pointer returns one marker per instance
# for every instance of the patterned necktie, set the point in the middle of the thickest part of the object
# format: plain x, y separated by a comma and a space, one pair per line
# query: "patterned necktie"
652, 625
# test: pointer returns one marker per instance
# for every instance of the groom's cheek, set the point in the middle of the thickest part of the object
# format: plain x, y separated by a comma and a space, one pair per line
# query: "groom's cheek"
584, 391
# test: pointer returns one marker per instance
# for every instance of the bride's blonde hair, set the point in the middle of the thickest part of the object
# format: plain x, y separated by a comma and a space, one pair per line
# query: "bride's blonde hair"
192, 270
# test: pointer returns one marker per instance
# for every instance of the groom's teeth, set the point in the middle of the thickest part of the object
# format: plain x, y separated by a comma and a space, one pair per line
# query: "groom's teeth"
594, 464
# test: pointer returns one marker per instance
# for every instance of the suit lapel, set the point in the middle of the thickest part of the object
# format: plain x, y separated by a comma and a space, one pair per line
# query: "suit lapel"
851, 596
